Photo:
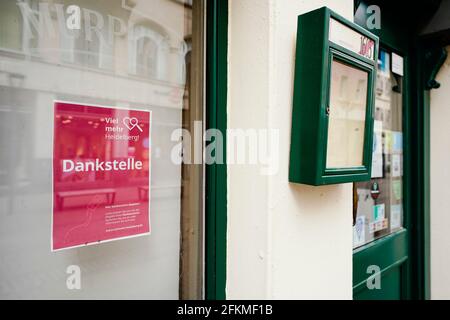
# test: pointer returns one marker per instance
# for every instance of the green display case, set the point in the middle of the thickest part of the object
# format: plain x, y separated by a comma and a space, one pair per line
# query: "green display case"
332, 118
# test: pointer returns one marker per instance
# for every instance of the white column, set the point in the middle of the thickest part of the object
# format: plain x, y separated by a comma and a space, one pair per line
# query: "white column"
440, 185
284, 240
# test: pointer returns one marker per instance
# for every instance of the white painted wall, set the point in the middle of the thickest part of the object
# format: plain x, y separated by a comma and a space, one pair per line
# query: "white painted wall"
285, 241
440, 184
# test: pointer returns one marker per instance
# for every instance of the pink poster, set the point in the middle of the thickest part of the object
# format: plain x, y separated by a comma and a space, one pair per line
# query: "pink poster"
101, 174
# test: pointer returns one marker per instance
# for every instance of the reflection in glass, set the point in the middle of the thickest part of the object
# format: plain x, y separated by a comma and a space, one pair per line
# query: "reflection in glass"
347, 114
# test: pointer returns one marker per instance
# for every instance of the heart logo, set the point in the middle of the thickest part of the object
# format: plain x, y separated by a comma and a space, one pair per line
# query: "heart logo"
127, 122
131, 123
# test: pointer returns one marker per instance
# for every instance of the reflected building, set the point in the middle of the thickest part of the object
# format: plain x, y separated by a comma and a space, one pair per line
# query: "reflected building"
128, 54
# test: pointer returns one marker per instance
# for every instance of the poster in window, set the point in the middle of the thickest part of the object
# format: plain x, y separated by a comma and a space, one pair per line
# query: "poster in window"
101, 174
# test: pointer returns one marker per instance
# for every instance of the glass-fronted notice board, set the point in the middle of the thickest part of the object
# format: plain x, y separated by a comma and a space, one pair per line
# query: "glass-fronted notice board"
332, 114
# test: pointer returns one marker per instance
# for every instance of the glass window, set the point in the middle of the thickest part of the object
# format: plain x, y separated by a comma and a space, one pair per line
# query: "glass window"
347, 115
124, 54
379, 202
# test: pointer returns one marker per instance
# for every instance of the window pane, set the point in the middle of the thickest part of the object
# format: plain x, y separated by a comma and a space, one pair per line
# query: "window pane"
127, 55
380, 201
347, 113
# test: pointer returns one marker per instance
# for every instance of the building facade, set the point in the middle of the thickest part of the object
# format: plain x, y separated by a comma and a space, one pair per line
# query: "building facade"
216, 80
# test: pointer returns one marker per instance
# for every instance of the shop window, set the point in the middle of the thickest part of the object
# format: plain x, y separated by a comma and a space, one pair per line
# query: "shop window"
379, 202
160, 40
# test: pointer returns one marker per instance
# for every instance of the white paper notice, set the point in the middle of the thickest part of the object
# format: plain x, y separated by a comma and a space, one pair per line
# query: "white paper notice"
377, 151
396, 216
397, 142
396, 165
359, 231
397, 64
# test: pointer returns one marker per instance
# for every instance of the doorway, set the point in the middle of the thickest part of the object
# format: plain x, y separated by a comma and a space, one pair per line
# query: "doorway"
390, 230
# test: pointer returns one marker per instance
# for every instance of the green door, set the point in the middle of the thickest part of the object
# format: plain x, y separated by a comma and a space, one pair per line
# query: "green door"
379, 234
383, 261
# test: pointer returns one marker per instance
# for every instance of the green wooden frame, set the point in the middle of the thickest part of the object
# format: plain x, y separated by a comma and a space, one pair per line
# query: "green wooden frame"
314, 56
216, 174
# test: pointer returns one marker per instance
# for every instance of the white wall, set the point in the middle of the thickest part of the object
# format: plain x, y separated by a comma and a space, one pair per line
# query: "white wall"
284, 240
440, 184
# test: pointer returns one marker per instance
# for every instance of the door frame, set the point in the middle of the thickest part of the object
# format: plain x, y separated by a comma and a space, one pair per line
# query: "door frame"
216, 174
